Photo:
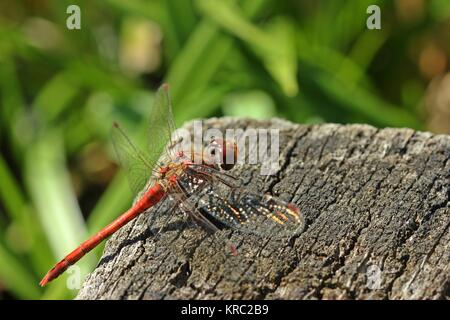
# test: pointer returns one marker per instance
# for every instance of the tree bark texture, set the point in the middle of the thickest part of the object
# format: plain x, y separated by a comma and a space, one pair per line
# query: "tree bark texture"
377, 212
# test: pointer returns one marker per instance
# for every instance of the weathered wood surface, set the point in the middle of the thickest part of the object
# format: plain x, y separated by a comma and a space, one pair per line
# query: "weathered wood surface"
376, 203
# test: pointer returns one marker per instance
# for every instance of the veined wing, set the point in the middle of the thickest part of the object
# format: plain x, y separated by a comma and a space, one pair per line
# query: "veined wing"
136, 163
140, 165
161, 124
260, 214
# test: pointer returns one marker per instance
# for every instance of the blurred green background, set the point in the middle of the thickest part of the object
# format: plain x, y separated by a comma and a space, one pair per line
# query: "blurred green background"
60, 91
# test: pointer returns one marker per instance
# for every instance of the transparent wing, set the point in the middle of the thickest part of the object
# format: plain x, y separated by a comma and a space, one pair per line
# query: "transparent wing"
234, 207
264, 214
135, 163
139, 165
248, 212
161, 124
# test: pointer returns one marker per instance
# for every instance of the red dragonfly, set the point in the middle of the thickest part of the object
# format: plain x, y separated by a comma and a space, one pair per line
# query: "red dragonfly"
203, 191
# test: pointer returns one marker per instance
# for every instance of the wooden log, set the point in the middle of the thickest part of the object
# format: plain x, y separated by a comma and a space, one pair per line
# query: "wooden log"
377, 210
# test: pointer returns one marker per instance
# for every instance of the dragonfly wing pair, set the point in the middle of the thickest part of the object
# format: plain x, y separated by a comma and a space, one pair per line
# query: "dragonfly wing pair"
140, 165
228, 205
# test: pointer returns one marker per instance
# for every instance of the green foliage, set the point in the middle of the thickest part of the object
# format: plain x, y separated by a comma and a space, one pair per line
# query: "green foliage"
60, 91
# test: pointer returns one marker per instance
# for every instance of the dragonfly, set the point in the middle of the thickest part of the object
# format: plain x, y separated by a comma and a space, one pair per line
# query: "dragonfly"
205, 190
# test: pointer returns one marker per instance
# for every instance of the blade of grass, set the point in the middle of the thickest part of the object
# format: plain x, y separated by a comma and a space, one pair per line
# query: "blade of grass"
20, 214
181, 17
361, 54
12, 101
206, 49
199, 59
170, 23
15, 276
153, 10
11, 195
55, 96
346, 83
50, 188
11, 98
330, 61
203, 105
52, 193
274, 46
358, 100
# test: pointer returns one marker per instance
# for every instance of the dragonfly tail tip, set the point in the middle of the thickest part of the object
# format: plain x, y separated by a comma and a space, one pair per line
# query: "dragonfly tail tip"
44, 281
